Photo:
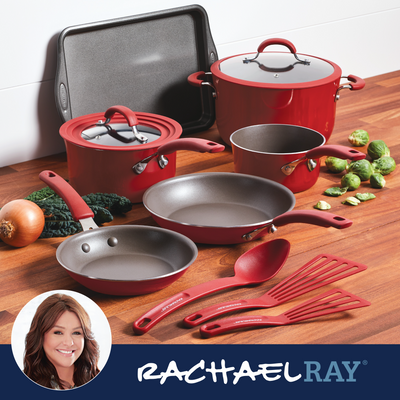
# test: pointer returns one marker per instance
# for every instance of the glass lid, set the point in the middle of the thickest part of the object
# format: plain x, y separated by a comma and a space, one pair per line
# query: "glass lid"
276, 68
119, 134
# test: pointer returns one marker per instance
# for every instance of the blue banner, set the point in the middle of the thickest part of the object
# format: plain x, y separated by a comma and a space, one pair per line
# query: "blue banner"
238, 371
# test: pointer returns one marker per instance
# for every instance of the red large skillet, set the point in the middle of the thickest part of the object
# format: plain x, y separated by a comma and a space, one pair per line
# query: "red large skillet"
119, 260
228, 208
287, 154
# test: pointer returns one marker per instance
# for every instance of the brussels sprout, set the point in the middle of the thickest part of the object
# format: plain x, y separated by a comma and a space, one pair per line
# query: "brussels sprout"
365, 196
359, 138
322, 205
335, 191
362, 168
377, 181
350, 181
335, 164
353, 201
384, 165
377, 149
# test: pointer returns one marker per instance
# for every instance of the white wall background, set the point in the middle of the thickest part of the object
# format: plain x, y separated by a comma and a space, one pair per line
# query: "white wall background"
361, 36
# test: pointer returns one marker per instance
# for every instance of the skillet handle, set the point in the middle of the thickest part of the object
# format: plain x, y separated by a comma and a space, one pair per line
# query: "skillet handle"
191, 144
78, 207
313, 217
343, 152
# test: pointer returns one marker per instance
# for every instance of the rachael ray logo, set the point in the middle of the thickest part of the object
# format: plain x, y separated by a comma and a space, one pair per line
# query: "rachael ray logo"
312, 371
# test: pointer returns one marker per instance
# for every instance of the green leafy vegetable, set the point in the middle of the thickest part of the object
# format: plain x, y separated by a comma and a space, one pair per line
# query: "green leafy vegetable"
384, 165
365, 196
322, 205
353, 201
362, 168
58, 218
359, 138
377, 181
377, 149
336, 191
335, 164
350, 181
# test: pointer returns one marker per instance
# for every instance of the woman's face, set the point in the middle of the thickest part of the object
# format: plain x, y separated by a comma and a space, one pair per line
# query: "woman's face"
64, 342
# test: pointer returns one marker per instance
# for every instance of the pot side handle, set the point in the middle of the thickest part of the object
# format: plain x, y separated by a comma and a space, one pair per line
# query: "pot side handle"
343, 152
129, 115
313, 217
78, 207
191, 144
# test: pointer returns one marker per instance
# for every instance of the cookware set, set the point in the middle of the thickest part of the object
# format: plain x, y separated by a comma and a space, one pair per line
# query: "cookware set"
276, 111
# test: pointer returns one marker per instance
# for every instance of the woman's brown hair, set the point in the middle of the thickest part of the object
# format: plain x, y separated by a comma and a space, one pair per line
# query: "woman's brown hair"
36, 365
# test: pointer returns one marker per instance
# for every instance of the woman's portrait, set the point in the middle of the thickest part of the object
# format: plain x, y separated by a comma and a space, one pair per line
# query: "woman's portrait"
60, 347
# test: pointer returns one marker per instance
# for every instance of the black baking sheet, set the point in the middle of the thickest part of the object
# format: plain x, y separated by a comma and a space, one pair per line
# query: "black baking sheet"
141, 62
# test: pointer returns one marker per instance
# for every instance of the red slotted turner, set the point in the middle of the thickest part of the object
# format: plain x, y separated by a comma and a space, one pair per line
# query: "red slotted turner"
333, 301
320, 271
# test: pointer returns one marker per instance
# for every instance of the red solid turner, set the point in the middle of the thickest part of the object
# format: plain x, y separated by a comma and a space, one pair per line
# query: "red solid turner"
333, 301
320, 271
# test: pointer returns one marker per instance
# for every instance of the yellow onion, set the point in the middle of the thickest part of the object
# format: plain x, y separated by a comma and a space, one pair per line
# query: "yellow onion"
21, 222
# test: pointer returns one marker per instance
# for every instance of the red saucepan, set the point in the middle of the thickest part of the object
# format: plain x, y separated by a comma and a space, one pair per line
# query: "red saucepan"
275, 87
119, 260
287, 154
123, 152
228, 208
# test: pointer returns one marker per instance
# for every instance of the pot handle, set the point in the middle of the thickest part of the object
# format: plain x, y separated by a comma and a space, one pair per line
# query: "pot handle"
343, 152
129, 115
77, 206
279, 41
355, 83
313, 217
191, 144
198, 79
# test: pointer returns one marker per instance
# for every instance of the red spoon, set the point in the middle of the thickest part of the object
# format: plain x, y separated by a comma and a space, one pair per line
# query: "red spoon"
320, 271
333, 301
257, 265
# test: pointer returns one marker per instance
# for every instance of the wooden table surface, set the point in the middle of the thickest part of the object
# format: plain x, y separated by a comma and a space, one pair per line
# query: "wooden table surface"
373, 240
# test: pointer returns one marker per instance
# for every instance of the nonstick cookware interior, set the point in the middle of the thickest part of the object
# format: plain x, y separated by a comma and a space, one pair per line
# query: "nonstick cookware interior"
119, 260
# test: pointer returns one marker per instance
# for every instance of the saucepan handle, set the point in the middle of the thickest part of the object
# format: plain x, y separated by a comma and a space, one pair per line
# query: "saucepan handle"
344, 152
78, 207
191, 144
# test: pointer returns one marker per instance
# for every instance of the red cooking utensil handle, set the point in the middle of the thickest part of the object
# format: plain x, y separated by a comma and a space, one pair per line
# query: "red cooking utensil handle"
313, 217
78, 207
344, 152
191, 144
129, 115
229, 324
356, 82
157, 313
280, 41
215, 310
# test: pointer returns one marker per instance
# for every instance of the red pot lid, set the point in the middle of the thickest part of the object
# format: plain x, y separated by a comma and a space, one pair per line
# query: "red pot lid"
277, 69
121, 129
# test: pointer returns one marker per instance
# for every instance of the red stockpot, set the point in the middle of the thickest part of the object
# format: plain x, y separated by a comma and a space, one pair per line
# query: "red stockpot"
275, 87
287, 154
105, 156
